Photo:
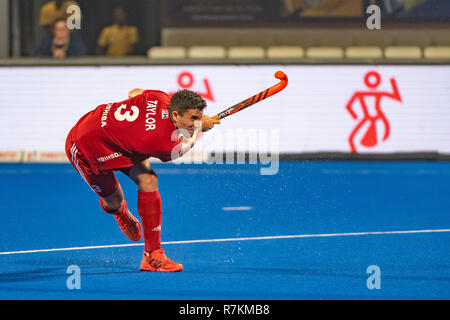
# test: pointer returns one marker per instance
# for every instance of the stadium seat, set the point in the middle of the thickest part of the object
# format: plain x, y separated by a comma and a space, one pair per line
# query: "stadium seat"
166, 53
207, 52
364, 52
438, 52
403, 52
325, 53
246, 52
285, 52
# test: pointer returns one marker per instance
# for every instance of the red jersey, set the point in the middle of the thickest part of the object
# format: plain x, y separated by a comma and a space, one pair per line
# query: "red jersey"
122, 134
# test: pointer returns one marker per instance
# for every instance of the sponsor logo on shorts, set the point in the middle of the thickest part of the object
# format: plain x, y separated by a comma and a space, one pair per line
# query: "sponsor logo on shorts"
109, 157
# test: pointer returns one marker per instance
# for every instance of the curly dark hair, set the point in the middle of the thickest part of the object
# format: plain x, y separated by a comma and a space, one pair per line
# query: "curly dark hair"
184, 100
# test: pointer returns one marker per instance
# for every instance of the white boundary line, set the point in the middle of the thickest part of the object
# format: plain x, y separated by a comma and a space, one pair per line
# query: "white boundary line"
323, 235
241, 208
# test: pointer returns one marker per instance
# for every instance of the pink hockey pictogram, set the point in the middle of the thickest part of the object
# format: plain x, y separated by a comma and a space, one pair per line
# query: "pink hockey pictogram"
370, 138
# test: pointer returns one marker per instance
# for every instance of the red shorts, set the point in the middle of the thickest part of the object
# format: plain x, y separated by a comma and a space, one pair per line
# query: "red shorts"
104, 183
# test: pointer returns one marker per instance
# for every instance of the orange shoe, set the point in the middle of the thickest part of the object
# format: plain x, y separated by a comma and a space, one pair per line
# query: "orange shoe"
157, 261
127, 222
129, 225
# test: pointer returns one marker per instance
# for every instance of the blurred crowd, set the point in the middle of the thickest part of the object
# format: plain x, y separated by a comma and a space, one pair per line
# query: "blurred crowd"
120, 37
63, 40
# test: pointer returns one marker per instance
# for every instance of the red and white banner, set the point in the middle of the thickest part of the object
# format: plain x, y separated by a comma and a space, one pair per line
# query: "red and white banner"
11, 156
361, 109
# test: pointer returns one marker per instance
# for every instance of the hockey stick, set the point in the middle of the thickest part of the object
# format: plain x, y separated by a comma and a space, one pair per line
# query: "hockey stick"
257, 97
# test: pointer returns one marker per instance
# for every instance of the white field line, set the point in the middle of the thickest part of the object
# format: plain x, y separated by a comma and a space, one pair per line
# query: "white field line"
242, 208
323, 235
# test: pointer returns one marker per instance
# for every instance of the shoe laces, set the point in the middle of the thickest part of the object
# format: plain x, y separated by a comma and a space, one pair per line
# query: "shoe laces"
158, 261
161, 252
124, 218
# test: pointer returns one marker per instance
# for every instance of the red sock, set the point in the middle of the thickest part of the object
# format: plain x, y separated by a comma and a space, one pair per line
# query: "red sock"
150, 211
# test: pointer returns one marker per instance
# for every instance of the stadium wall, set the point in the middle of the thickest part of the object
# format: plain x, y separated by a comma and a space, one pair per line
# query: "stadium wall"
326, 112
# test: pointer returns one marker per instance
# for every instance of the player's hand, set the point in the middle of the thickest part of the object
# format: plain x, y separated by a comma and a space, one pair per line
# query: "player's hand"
135, 92
208, 123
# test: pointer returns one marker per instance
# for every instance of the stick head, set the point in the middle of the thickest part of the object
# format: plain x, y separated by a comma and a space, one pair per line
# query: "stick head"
283, 81
281, 75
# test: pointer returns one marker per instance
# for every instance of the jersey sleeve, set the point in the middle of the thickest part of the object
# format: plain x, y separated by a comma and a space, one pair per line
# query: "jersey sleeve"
172, 152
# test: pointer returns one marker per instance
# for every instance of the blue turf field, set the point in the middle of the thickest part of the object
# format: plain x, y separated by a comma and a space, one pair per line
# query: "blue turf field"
50, 207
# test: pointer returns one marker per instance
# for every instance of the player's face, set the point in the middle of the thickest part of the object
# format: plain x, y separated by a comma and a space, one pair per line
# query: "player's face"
188, 119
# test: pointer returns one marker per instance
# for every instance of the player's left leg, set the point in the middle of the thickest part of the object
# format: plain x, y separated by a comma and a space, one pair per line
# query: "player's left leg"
106, 186
116, 205
150, 211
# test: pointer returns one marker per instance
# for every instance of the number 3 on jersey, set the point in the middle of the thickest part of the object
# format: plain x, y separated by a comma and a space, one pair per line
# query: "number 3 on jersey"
129, 115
